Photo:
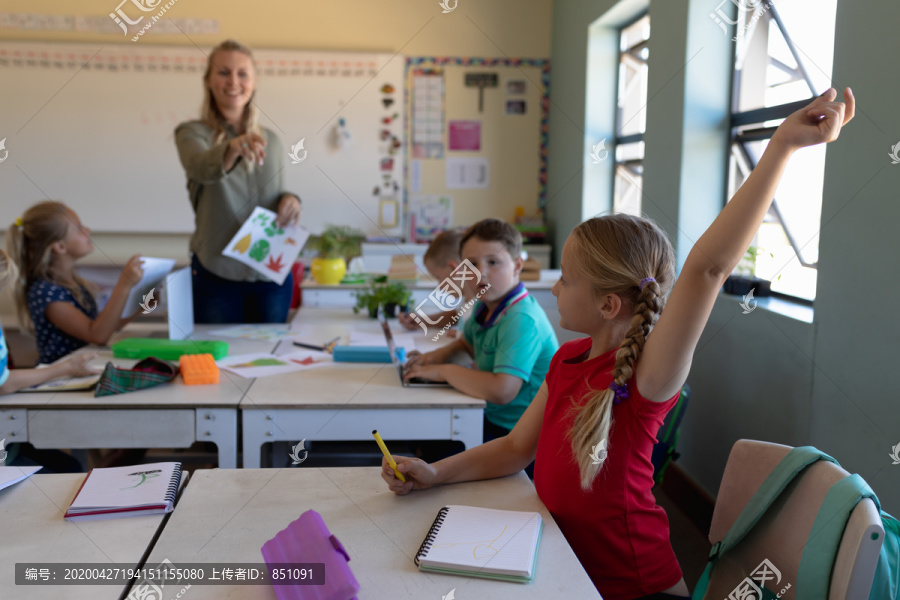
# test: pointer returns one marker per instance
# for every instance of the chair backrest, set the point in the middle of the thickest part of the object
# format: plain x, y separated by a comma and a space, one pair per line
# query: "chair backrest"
782, 533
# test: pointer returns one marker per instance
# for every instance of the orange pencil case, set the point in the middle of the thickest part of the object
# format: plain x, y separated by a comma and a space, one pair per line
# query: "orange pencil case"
198, 369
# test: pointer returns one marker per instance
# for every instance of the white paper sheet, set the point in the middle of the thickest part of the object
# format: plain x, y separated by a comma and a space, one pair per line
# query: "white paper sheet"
13, 475
263, 364
266, 248
155, 270
401, 340
467, 173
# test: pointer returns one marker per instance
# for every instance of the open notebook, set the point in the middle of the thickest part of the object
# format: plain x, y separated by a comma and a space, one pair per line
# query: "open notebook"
126, 491
482, 542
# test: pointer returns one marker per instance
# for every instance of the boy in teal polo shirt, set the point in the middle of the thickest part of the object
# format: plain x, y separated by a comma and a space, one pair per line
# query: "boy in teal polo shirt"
509, 334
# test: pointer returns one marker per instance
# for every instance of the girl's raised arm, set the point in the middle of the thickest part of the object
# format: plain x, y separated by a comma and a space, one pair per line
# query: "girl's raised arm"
666, 357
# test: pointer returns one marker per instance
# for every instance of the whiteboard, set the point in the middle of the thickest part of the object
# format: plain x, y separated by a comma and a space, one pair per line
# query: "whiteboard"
94, 125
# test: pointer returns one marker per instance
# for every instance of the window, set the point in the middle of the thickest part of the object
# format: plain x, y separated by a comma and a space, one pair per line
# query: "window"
783, 58
631, 116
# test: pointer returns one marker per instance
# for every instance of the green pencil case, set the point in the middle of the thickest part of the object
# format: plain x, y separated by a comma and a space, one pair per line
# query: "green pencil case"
168, 349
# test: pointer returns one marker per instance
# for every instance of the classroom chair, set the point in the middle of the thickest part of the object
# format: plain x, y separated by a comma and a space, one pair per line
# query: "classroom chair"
782, 532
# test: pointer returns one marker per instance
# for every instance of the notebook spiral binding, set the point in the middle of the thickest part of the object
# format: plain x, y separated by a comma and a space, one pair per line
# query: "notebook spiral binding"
172, 490
429, 538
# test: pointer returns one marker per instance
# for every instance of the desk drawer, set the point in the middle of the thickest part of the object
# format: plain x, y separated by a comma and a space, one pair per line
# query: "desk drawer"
138, 428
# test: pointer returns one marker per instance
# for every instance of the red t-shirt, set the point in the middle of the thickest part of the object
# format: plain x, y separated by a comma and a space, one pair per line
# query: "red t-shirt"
616, 529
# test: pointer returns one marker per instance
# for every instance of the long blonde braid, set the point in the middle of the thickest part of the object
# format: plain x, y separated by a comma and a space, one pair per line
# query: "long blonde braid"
631, 257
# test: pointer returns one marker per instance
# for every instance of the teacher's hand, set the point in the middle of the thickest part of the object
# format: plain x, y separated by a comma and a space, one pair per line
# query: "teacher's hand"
288, 210
250, 146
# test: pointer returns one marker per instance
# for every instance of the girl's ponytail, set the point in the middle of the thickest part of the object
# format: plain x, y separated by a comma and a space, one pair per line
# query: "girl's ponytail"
15, 248
29, 244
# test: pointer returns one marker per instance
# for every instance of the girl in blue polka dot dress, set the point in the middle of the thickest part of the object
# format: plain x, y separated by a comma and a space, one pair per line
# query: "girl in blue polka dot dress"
53, 301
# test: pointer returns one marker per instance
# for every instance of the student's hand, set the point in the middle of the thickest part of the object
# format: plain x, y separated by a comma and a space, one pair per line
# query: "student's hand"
819, 122
453, 334
250, 146
77, 365
407, 321
418, 473
288, 210
430, 371
416, 358
132, 272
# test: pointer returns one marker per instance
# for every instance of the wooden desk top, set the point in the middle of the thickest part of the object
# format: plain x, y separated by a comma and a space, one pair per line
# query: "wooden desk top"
34, 531
227, 515
356, 385
227, 394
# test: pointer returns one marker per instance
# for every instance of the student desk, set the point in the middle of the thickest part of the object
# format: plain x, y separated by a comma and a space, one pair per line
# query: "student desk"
34, 531
173, 415
346, 401
227, 515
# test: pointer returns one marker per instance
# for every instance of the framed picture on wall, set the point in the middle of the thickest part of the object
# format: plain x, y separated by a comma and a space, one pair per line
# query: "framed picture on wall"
515, 107
515, 87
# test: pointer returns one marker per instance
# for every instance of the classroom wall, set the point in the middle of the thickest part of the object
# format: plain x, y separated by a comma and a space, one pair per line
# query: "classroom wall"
499, 29
763, 375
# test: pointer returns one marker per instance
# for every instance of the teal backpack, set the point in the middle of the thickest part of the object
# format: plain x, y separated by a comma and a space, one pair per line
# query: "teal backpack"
828, 529
667, 436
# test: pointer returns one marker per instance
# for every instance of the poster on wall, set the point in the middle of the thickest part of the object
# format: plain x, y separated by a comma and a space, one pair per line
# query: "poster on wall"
467, 173
432, 214
428, 113
515, 87
515, 107
464, 135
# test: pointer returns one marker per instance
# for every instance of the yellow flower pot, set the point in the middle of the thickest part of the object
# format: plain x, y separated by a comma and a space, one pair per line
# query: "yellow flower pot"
328, 271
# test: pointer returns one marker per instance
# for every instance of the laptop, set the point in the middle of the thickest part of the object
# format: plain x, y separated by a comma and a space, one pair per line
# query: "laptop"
179, 303
415, 382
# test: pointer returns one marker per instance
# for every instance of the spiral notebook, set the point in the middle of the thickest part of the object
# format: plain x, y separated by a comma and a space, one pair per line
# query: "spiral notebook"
126, 491
482, 542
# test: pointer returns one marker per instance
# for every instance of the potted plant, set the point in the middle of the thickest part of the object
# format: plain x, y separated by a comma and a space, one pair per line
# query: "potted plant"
381, 294
743, 278
369, 299
394, 295
335, 246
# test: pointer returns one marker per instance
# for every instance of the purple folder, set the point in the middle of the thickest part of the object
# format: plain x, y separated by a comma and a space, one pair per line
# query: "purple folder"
307, 540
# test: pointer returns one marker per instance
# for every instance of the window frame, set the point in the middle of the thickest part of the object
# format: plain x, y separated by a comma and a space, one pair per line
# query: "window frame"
742, 133
627, 166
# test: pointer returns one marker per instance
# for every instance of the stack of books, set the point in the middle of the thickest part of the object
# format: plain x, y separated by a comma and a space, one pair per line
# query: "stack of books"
403, 269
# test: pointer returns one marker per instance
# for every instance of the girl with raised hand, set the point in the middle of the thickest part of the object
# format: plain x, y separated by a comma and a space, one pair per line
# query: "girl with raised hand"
592, 425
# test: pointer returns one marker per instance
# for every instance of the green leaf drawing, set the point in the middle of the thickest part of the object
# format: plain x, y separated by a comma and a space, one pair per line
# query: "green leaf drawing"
260, 362
272, 230
260, 250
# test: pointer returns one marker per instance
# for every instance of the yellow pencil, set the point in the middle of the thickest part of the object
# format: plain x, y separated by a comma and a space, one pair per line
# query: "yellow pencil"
388, 456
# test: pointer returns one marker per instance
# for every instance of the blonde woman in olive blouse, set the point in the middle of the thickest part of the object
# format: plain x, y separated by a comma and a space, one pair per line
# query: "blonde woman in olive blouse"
232, 165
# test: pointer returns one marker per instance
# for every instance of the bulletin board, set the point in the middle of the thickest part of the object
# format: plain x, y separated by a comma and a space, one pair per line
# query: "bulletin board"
507, 138
93, 125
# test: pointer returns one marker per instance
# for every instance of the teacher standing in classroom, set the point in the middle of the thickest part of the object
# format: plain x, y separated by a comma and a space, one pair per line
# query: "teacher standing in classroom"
233, 165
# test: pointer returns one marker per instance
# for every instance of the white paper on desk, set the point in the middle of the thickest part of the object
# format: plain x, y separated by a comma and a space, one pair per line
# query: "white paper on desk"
257, 332
69, 384
155, 270
264, 364
13, 475
401, 340
265, 247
